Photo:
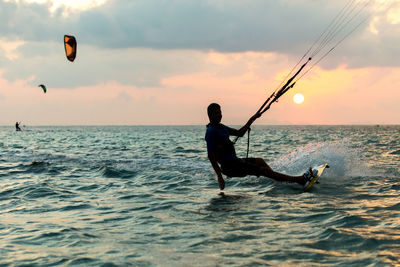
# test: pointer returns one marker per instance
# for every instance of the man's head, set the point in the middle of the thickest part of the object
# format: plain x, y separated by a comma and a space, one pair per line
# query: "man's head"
214, 113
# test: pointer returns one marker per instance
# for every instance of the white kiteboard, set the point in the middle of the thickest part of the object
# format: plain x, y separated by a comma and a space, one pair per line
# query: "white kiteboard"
320, 169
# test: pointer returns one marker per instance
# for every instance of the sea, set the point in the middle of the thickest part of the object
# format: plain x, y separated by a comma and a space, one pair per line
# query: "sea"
148, 196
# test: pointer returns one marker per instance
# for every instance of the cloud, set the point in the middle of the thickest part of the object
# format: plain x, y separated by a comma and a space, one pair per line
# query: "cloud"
239, 82
9, 48
224, 26
46, 63
285, 27
144, 42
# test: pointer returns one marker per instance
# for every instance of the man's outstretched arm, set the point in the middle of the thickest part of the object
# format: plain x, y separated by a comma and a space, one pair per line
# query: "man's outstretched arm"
243, 130
213, 160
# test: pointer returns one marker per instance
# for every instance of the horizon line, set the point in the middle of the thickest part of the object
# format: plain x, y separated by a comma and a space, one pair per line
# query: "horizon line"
149, 125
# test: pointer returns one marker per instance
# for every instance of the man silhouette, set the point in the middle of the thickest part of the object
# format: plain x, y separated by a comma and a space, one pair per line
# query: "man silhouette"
222, 155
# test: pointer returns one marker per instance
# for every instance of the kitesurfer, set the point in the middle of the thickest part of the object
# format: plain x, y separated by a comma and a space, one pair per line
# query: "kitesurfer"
222, 155
17, 126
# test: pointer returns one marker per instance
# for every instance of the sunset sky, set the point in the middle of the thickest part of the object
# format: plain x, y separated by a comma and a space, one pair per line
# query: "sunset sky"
161, 62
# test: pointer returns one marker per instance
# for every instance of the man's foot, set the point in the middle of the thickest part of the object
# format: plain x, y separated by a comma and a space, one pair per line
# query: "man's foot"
309, 175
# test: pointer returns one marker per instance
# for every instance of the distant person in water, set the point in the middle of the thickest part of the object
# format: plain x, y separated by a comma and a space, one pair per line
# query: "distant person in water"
17, 126
222, 155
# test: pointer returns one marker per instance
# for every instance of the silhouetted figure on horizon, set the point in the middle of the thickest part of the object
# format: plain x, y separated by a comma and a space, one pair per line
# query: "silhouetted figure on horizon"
17, 126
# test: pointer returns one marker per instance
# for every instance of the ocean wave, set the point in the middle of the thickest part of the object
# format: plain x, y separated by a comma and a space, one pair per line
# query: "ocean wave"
117, 172
121, 196
395, 152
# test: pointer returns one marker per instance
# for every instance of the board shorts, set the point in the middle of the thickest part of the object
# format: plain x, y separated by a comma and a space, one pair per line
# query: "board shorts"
241, 167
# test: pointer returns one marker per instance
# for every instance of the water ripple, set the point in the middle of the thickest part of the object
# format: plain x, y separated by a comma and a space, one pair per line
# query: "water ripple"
147, 196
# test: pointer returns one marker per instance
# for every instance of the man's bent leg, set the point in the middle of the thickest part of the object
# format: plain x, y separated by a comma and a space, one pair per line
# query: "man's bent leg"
261, 162
270, 173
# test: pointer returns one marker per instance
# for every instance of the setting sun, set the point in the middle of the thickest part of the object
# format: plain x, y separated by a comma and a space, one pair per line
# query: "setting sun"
298, 98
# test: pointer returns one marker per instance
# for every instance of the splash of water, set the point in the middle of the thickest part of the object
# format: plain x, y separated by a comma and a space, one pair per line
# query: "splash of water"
343, 159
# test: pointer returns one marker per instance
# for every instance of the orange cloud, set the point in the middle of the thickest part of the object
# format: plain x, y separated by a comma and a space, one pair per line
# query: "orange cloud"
239, 82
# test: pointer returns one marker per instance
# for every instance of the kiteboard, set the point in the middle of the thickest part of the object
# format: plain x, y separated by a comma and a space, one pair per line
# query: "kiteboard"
320, 169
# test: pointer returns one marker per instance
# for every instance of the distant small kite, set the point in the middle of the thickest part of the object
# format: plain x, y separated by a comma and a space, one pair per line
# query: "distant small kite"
70, 47
43, 87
